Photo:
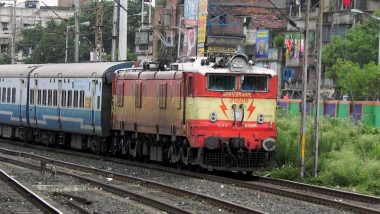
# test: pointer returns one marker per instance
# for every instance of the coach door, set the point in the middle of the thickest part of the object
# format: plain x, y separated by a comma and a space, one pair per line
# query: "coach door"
92, 101
59, 101
19, 100
36, 101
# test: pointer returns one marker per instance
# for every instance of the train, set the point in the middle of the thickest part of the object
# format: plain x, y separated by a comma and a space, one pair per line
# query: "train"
207, 114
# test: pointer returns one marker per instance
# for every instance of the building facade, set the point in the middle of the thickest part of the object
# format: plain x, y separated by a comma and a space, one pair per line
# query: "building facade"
25, 18
337, 19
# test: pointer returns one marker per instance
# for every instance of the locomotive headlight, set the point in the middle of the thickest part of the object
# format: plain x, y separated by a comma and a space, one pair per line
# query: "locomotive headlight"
237, 114
269, 144
213, 117
260, 118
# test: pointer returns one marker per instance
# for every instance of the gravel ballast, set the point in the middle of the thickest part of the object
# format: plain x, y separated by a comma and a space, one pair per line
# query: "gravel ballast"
265, 202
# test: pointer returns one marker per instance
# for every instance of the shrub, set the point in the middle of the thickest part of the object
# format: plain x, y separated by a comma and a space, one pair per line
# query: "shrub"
349, 154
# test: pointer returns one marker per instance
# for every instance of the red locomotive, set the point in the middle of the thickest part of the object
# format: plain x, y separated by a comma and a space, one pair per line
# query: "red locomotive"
216, 116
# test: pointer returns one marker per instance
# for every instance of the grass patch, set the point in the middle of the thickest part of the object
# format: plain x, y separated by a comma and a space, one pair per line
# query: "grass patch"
349, 154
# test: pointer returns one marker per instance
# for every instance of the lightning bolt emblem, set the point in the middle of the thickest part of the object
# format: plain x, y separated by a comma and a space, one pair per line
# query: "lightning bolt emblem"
251, 108
224, 108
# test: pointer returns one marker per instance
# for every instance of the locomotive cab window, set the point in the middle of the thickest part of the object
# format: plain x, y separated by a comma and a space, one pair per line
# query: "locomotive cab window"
221, 82
254, 83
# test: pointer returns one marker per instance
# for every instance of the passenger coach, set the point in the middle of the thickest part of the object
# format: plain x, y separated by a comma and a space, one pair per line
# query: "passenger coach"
58, 103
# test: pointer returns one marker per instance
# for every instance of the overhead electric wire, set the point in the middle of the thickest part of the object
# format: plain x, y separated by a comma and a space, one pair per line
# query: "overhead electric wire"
53, 11
291, 22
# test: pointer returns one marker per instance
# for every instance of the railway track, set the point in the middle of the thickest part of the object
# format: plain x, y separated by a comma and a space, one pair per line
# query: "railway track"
36, 200
319, 195
223, 205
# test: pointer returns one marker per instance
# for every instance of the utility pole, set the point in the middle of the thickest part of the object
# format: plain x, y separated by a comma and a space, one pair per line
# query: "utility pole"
123, 28
98, 32
13, 41
319, 74
303, 116
150, 14
114, 30
179, 37
142, 14
77, 9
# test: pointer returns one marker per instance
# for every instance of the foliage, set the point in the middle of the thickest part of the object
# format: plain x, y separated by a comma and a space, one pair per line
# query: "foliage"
351, 61
361, 83
359, 45
349, 155
46, 44
43, 44
5, 58
279, 41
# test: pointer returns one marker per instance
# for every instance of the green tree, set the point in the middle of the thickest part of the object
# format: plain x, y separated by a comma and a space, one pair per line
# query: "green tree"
351, 61
359, 44
359, 82
5, 58
47, 44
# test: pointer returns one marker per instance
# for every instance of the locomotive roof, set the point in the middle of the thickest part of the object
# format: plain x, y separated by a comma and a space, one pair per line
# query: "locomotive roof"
195, 66
250, 70
81, 70
15, 70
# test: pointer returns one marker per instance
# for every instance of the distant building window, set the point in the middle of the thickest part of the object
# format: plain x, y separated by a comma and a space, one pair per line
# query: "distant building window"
223, 19
4, 25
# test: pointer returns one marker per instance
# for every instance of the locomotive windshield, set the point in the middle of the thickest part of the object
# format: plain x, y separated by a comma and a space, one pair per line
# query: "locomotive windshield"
221, 82
254, 83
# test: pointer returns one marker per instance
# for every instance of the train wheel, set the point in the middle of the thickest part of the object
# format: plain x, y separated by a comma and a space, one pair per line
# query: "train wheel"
115, 146
124, 147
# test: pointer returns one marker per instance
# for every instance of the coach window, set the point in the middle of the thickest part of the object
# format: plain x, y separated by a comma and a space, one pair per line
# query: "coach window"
39, 97
98, 102
81, 99
75, 99
120, 94
69, 98
44, 97
221, 82
8, 95
49, 98
31, 92
138, 94
63, 98
254, 83
0, 95
162, 95
4, 98
13, 95
55, 98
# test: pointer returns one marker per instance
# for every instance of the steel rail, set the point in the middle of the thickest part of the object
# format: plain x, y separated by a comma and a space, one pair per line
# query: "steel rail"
118, 191
256, 186
28, 194
229, 206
